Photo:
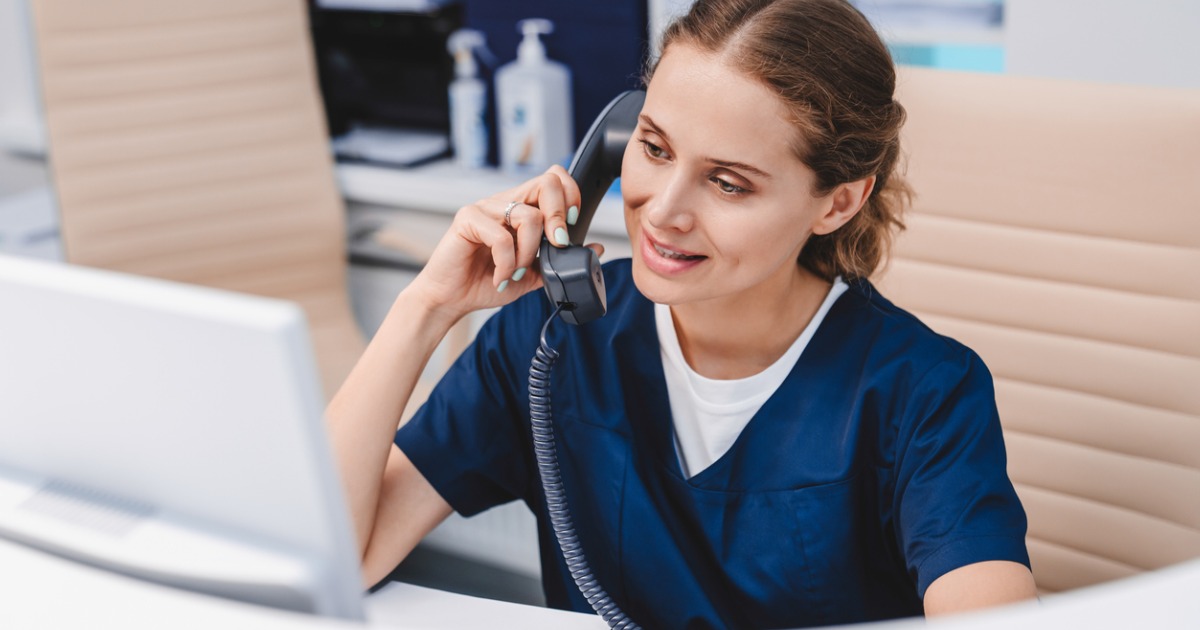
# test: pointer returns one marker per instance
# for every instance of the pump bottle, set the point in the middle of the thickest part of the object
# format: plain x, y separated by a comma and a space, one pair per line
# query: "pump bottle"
533, 97
468, 98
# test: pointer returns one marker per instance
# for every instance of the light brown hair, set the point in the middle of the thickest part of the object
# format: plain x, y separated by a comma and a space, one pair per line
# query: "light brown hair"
836, 77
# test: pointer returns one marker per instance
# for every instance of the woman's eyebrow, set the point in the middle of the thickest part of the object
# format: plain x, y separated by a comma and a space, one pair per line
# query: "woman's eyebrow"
649, 122
741, 166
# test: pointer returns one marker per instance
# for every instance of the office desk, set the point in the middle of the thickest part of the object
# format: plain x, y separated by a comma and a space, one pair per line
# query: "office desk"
41, 591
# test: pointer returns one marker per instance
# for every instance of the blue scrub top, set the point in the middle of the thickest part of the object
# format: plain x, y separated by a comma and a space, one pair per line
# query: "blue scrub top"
875, 468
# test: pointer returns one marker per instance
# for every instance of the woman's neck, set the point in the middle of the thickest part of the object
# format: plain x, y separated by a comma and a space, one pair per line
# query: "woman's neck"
741, 335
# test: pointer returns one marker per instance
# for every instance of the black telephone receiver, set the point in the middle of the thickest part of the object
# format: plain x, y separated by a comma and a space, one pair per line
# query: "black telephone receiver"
575, 285
572, 276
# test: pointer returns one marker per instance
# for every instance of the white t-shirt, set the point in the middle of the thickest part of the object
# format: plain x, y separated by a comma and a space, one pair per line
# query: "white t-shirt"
709, 414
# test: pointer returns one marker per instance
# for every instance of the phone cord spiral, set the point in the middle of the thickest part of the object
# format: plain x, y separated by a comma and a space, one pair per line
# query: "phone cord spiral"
556, 498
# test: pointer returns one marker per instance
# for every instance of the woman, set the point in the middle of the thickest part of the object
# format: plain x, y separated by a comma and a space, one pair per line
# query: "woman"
753, 436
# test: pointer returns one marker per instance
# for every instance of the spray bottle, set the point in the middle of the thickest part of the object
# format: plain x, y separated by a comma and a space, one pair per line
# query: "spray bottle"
468, 98
533, 97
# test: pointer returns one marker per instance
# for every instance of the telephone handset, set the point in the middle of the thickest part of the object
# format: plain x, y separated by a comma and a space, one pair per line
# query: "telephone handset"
572, 277
575, 285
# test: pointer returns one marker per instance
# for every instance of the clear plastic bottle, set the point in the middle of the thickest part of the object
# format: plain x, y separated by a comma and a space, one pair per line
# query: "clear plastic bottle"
468, 98
533, 97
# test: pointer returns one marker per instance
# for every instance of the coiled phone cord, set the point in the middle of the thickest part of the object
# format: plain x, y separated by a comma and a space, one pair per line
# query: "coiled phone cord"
556, 498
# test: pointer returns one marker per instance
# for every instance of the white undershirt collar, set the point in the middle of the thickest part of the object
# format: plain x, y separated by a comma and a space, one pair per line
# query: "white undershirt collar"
709, 414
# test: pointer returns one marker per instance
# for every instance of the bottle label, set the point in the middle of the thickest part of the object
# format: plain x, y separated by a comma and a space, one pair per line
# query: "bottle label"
523, 142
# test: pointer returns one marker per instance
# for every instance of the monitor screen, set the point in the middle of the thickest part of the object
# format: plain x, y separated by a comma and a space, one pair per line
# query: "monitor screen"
170, 432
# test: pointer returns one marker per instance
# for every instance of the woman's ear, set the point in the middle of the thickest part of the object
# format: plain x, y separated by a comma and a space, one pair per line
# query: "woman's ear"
847, 200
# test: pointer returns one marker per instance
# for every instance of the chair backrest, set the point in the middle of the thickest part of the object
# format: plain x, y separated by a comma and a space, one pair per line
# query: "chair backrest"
188, 143
1057, 232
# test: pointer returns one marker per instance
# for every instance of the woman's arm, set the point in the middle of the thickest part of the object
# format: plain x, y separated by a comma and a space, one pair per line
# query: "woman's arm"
476, 265
979, 585
364, 415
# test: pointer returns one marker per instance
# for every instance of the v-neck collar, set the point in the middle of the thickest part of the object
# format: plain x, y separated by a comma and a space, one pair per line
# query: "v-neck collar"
648, 385
735, 401
644, 383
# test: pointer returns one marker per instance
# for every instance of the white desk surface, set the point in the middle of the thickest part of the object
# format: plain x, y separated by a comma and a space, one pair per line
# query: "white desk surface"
42, 591
38, 590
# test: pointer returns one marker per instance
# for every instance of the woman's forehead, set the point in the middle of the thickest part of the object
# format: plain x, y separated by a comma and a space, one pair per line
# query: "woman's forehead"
704, 104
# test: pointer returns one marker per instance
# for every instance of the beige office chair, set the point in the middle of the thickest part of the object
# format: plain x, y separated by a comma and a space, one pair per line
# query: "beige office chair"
1057, 232
187, 142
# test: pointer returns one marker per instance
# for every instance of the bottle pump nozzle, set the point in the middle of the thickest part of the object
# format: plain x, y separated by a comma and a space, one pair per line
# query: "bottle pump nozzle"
462, 44
531, 48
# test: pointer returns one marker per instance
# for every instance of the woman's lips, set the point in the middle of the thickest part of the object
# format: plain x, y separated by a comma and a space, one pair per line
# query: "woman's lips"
666, 260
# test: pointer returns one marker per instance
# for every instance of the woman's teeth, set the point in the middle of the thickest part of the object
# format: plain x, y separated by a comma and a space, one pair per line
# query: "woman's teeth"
666, 253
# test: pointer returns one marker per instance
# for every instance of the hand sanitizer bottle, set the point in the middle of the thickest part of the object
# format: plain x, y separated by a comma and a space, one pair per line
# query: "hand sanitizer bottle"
468, 98
533, 97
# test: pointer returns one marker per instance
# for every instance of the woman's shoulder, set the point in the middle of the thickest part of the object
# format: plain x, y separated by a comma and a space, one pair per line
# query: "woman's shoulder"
894, 331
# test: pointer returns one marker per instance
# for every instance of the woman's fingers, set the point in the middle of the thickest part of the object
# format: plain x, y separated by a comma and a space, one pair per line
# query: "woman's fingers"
556, 195
571, 195
560, 194
550, 198
527, 222
483, 228
510, 226
514, 242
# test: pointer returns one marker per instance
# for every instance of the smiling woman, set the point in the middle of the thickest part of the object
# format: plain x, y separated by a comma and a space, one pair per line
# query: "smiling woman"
719, 208
753, 436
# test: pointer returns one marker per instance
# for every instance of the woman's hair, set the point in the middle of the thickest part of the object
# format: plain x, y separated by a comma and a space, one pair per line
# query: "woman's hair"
836, 77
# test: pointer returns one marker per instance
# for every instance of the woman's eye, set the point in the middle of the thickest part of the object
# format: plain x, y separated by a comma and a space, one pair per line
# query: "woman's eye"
654, 150
727, 187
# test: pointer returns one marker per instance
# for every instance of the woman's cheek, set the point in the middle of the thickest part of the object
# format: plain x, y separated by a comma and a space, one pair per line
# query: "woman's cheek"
635, 187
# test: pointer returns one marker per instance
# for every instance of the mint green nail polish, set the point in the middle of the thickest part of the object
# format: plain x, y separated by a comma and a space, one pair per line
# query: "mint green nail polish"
518, 274
572, 215
502, 287
560, 236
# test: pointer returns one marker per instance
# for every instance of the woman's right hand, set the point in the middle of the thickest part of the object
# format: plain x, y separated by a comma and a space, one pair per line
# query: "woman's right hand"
483, 262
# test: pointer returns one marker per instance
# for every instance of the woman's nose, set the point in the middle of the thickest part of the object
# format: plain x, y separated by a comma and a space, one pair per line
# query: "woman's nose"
670, 209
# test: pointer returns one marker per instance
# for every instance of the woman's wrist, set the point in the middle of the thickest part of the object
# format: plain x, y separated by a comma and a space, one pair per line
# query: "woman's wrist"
424, 311
416, 306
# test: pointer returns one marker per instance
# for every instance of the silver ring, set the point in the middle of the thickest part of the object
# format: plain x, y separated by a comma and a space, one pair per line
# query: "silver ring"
508, 212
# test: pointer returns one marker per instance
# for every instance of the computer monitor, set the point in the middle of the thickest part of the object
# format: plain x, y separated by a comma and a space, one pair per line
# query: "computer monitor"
173, 433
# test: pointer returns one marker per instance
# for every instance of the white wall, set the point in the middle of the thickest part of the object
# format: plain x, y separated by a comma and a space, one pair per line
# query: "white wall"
661, 13
1148, 42
20, 110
